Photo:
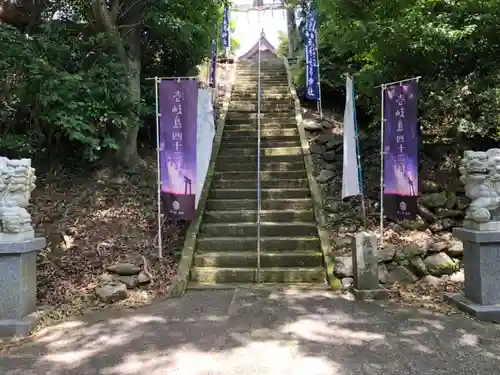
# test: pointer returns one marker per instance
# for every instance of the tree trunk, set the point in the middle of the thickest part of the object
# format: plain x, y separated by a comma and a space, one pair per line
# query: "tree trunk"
123, 21
292, 31
127, 154
23, 14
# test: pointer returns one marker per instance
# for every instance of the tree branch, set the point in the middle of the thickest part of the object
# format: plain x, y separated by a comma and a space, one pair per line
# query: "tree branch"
115, 9
104, 19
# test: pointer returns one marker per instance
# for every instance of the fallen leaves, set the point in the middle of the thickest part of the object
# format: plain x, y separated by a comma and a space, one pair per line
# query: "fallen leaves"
420, 295
91, 221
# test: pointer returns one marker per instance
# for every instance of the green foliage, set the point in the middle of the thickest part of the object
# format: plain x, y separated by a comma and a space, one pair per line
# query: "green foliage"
66, 88
234, 44
453, 45
282, 49
56, 89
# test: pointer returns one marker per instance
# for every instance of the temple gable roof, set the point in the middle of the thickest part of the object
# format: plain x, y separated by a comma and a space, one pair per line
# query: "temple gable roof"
265, 45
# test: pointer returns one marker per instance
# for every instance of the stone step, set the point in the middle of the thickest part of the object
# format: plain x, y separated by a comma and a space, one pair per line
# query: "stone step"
264, 83
265, 166
267, 125
264, 108
266, 204
242, 259
253, 81
267, 114
269, 151
253, 84
264, 175
240, 229
240, 96
251, 216
231, 158
253, 115
265, 184
264, 74
279, 76
237, 143
234, 138
241, 120
245, 67
271, 244
307, 287
212, 275
264, 89
288, 114
252, 193
231, 134
235, 101
264, 93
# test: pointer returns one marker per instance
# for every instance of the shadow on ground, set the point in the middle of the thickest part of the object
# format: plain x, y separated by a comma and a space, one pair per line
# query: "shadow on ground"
258, 331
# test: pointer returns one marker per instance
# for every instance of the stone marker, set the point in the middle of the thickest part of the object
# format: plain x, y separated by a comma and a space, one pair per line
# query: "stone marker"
365, 266
480, 172
18, 247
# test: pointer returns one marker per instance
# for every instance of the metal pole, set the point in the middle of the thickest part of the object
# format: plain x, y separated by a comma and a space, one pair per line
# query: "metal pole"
320, 106
358, 152
209, 67
382, 151
158, 79
258, 162
158, 114
399, 82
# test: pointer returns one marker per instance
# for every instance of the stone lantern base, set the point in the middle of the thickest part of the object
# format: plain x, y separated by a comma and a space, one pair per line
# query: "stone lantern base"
481, 294
18, 310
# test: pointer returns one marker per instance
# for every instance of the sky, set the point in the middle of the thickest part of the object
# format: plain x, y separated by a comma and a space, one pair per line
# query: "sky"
249, 26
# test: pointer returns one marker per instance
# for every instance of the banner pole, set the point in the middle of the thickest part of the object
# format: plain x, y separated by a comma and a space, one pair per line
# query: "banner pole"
209, 67
320, 104
382, 131
358, 153
160, 239
171, 78
417, 78
258, 160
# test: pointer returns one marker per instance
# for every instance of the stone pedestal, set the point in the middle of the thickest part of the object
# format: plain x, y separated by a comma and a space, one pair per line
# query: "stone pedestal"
365, 267
18, 311
481, 293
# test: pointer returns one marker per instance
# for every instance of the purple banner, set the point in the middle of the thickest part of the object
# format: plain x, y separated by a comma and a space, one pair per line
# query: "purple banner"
401, 151
312, 63
178, 101
225, 28
213, 61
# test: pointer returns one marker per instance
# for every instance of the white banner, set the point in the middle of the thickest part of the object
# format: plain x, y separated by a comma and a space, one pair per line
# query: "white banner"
350, 175
204, 138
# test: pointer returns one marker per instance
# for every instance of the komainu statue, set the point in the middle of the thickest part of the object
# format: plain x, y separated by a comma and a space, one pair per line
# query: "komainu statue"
480, 172
17, 181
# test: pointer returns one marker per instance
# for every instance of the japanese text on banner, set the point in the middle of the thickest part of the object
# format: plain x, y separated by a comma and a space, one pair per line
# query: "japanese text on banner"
178, 131
312, 82
225, 28
401, 150
213, 64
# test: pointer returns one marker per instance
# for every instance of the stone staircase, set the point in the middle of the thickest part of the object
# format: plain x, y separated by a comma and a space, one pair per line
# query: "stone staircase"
226, 249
